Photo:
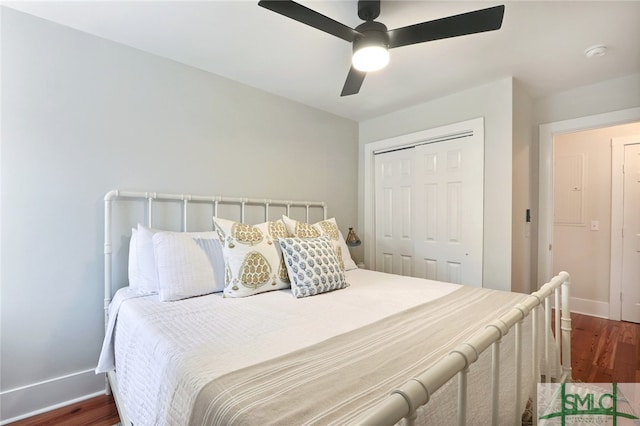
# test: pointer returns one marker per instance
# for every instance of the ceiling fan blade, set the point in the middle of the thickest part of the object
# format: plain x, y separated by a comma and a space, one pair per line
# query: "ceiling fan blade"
354, 82
310, 17
453, 26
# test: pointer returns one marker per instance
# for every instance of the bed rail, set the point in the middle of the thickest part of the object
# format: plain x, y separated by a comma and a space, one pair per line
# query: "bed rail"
404, 402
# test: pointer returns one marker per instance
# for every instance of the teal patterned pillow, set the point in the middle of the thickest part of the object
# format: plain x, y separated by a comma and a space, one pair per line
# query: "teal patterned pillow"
313, 265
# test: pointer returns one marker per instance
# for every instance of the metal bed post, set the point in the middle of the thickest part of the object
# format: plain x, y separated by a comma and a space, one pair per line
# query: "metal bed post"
185, 212
108, 249
557, 334
462, 397
566, 328
150, 212
547, 330
535, 361
518, 368
502, 330
469, 353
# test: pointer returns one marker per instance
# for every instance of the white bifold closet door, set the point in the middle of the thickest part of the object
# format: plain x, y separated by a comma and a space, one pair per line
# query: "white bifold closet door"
394, 213
429, 210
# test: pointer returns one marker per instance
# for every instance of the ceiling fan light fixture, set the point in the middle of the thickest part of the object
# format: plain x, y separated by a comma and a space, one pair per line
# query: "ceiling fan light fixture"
371, 50
370, 58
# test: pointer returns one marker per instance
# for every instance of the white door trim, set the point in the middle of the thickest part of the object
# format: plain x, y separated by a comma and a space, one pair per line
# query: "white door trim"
617, 218
545, 193
475, 125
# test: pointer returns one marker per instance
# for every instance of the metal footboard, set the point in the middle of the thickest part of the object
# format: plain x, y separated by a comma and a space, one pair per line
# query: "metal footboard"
404, 402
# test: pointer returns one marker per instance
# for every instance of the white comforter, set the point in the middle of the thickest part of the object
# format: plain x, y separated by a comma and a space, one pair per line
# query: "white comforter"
209, 336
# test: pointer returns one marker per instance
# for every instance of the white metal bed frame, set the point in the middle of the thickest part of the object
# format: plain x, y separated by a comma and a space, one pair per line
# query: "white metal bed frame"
404, 402
188, 200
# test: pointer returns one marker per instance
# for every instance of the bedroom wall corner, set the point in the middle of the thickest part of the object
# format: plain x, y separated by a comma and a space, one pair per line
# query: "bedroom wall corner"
83, 115
493, 101
521, 273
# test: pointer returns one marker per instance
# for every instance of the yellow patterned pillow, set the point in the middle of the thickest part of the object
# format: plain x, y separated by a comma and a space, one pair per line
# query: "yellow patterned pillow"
253, 261
327, 227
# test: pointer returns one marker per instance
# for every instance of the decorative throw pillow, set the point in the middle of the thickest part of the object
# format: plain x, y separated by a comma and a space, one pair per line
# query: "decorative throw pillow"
186, 264
313, 265
253, 262
325, 227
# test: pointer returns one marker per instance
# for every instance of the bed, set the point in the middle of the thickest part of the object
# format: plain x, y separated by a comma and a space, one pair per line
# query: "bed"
376, 350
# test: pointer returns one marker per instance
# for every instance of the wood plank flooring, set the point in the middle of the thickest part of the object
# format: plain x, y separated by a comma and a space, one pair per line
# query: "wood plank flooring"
603, 351
99, 411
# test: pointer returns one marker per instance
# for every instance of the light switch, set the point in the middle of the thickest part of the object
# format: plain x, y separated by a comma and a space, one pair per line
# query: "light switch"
595, 225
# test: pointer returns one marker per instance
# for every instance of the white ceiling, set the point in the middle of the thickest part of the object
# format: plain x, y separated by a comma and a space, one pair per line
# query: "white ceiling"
541, 44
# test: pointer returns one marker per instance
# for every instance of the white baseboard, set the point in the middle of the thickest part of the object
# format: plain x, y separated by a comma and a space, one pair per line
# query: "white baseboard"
37, 398
589, 307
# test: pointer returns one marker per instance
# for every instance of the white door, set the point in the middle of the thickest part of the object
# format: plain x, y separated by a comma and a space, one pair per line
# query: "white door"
631, 235
449, 211
429, 210
393, 212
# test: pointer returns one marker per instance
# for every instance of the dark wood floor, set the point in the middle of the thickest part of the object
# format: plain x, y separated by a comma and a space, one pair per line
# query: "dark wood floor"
603, 351
100, 411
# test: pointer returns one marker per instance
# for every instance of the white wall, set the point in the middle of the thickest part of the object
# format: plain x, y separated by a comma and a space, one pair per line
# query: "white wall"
82, 115
522, 190
607, 96
494, 102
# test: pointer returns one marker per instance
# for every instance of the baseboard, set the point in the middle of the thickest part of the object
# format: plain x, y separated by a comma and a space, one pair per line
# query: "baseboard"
26, 401
589, 307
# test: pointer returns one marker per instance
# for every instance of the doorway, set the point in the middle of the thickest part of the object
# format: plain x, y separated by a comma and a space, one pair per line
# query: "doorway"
582, 300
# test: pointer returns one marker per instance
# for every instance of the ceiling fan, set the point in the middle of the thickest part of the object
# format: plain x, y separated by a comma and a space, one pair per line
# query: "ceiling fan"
371, 40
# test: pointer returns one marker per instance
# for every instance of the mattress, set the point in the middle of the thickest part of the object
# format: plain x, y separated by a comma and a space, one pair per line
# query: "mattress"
166, 353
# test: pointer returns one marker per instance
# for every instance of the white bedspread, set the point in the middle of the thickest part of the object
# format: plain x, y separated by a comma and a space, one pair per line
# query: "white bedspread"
166, 352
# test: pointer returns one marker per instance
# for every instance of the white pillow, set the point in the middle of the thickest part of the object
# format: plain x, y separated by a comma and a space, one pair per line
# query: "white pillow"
143, 274
325, 227
186, 264
253, 261
313, 265
143, 271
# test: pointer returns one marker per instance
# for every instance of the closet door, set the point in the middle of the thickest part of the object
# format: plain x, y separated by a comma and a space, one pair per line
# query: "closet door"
394, 231
449, 211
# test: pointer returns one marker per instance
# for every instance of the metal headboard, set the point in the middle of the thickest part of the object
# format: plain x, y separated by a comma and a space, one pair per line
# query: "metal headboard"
152, 199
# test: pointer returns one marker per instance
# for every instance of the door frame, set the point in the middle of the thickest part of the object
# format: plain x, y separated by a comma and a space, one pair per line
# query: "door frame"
545, 191
617, 221
475, 125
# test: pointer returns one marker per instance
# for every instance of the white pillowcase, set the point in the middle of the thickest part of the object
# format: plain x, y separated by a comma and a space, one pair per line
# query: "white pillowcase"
143, 270
253, 261
313, 265
325, 227
143, 273
187, 264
